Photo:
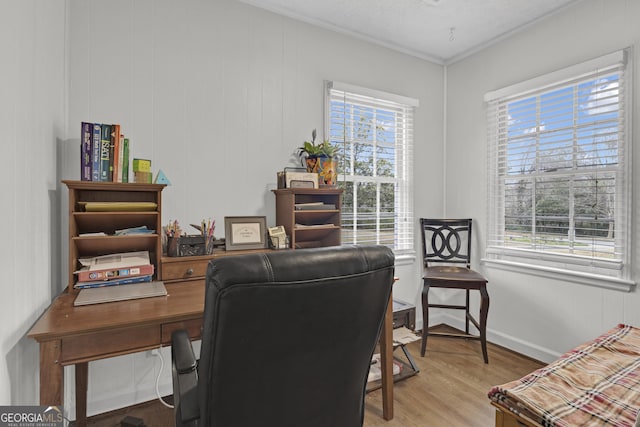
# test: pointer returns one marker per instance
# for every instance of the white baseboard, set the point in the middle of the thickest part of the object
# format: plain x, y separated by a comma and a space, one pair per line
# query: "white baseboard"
496, 337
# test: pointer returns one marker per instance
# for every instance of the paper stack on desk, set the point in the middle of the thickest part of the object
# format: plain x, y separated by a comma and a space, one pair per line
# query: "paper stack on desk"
315, 206
114, 269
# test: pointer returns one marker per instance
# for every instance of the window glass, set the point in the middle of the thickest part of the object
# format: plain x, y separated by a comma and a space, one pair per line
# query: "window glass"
374, 137
559, 173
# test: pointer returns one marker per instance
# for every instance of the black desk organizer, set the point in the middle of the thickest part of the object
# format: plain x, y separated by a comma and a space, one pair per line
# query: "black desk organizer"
186, 246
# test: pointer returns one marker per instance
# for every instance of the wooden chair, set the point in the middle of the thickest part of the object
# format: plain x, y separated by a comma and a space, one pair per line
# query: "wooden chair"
446, 242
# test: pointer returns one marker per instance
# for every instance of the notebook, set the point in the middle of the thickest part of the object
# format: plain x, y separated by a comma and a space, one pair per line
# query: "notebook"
120, 293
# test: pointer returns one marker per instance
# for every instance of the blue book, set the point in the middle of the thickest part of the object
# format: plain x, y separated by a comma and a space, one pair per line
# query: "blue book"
113, 282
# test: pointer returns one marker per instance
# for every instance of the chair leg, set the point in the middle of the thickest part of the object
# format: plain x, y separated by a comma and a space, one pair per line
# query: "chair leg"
425, 318
484, 311
466, 314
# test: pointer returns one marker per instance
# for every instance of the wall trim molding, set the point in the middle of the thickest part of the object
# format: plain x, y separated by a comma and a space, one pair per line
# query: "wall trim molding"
509, 342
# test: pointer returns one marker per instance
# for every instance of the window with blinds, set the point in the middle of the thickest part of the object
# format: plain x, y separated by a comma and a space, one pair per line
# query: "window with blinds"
373, 131
560, 169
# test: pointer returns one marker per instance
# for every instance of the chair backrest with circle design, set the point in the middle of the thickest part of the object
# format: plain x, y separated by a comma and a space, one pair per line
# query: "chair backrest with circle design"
446, 241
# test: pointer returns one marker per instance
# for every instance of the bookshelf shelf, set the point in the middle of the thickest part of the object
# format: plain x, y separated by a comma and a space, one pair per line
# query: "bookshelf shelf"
82, 222
94, 246
109, 222
315, 217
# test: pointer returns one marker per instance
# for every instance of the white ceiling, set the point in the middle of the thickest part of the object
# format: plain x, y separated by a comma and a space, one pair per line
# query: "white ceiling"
441, 31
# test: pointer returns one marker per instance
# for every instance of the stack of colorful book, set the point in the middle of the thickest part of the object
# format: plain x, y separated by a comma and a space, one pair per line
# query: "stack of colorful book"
104, 153
114, 269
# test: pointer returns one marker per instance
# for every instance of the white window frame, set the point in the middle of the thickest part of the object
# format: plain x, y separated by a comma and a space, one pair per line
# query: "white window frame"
591, 270
403, 172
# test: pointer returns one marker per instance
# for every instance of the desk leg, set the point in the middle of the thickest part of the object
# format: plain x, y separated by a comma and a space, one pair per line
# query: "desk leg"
82, 381
386, 359
51, 374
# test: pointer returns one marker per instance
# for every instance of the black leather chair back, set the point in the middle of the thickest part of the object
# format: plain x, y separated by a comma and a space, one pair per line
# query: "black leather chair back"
288, 336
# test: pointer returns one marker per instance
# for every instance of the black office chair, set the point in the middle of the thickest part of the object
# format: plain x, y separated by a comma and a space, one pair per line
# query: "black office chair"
446, 242
287, 339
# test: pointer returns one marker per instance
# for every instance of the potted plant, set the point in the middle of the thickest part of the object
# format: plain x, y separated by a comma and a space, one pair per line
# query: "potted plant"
319, 158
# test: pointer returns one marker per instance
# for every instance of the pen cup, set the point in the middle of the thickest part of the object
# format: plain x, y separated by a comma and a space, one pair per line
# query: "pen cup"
172, 246
209, 241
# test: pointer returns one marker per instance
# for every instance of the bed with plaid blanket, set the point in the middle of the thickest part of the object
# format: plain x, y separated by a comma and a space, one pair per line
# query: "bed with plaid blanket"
595, 384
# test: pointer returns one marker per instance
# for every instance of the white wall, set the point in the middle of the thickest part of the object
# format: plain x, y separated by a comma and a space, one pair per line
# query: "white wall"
537, 316
32, 107
218, 95
198, 85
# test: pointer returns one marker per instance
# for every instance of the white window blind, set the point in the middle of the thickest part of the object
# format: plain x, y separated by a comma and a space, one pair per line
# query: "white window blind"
559, 169
373, 131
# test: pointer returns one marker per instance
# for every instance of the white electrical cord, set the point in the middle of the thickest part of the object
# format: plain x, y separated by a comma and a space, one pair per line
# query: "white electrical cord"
158, 353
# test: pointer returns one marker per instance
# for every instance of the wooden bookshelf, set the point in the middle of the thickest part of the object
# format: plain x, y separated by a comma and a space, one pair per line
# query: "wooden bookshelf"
83, 222
309, 228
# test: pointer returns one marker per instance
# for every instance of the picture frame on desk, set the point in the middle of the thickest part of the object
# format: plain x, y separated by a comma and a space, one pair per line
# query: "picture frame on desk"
245, 232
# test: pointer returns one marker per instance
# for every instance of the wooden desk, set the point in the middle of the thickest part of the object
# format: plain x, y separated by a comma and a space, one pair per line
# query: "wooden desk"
71, 335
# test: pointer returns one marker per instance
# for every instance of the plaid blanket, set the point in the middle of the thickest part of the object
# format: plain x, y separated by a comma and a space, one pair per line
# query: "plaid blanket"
595, 384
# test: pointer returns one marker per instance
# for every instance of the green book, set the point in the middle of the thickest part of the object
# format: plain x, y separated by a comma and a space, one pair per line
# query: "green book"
105, 152
125, 161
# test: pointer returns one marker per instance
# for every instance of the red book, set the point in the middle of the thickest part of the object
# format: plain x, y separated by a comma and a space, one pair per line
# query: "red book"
87, 275
115, 144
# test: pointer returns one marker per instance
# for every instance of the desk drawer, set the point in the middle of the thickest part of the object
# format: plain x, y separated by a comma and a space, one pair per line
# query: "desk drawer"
192, 326
109, 343
184, 270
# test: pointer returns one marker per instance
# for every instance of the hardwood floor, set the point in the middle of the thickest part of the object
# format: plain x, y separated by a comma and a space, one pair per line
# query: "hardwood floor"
450, 390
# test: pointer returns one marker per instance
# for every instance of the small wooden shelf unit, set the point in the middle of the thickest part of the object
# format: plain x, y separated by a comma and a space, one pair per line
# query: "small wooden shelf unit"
309, 228
82, 222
